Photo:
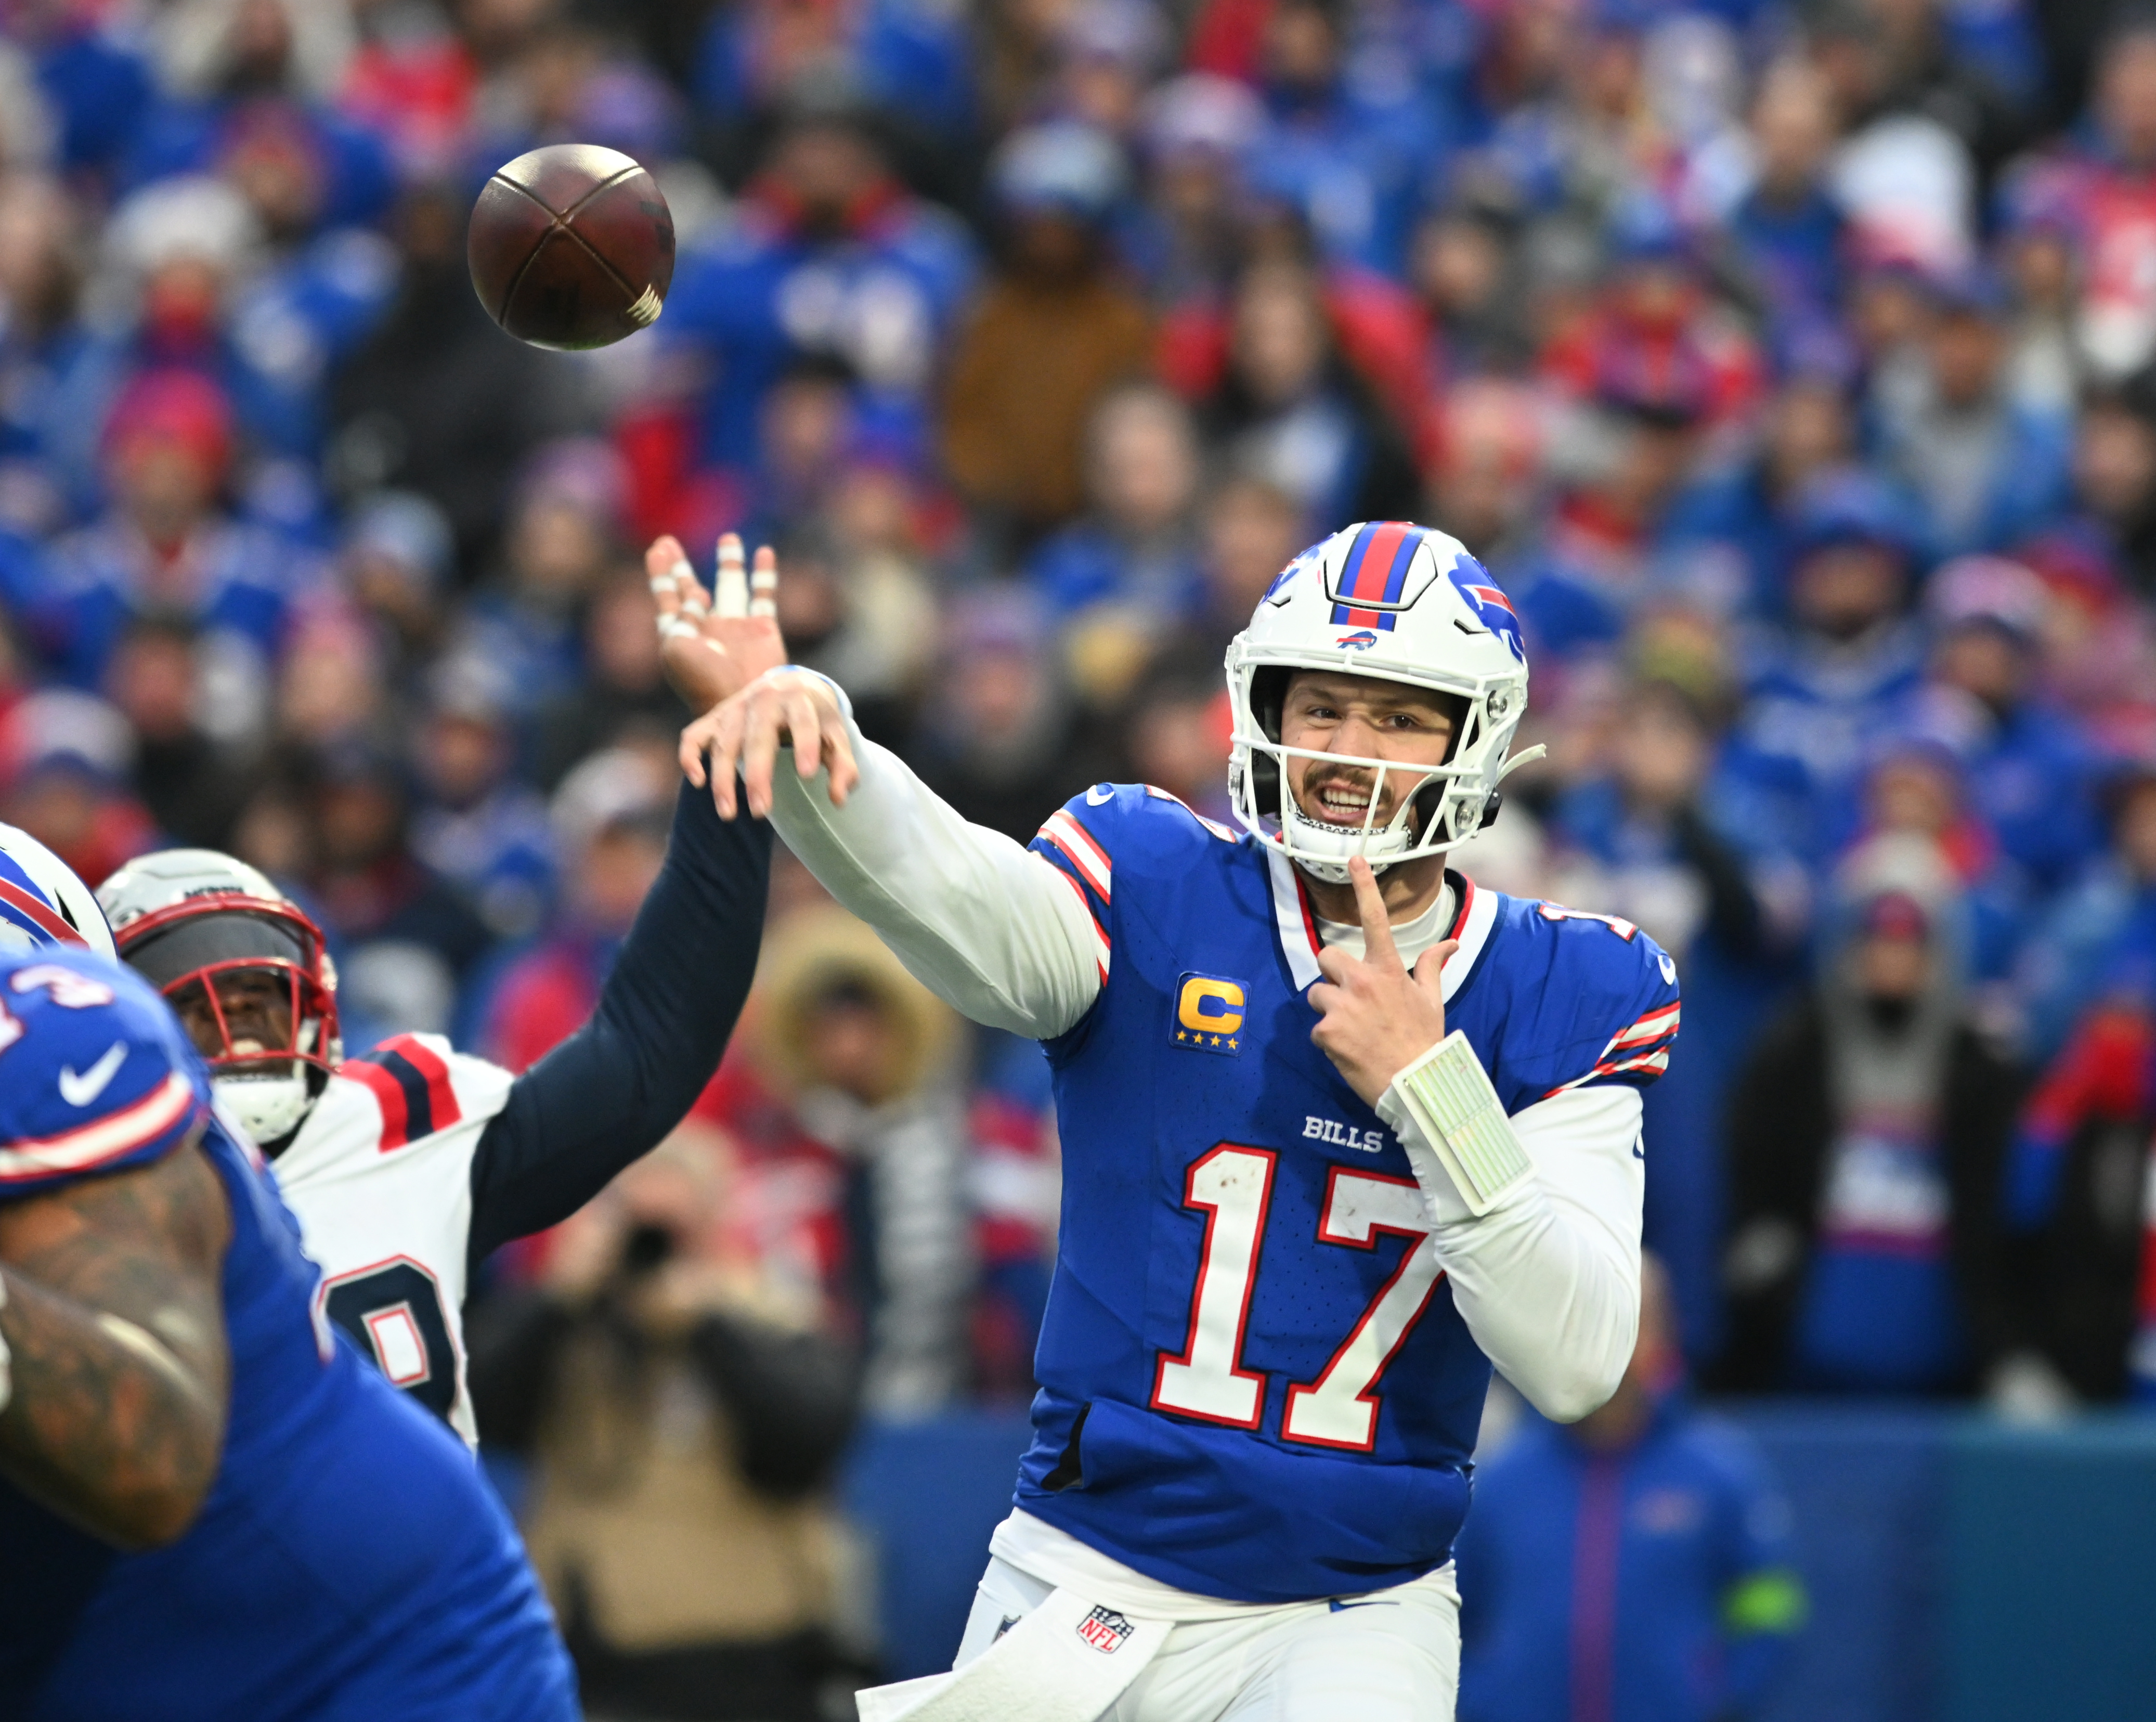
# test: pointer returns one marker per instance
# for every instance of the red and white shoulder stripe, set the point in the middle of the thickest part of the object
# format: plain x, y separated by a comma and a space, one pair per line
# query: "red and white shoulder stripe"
1076, 844
1089, 861
171, 1103
1642, 1046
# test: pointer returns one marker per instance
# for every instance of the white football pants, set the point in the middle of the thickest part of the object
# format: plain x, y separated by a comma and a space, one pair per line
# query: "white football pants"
1388, 1656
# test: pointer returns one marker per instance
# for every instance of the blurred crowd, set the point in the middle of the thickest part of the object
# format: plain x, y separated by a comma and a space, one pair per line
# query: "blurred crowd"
1789, 365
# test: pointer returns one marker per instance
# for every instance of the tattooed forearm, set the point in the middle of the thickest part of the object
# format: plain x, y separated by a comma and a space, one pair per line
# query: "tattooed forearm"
114, 1318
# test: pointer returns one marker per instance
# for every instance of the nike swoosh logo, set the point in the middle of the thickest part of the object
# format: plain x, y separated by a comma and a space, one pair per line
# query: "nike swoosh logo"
1340, 1607
81, 1090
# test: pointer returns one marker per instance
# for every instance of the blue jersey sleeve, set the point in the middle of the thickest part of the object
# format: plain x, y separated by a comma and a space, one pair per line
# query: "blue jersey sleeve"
1593, 1001
1141, 830
95, 1075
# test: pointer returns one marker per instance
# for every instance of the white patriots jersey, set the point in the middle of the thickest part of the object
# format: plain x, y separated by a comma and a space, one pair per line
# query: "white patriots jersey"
380, 1177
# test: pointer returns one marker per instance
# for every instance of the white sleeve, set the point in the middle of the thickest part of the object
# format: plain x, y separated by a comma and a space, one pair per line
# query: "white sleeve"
1548, 1280
994, 930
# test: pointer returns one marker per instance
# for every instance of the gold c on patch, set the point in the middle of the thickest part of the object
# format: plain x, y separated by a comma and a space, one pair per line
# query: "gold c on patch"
1209, 1015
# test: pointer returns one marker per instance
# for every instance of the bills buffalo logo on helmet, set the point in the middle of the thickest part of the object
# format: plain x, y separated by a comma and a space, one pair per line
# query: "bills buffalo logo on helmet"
1360, 641
1491, 608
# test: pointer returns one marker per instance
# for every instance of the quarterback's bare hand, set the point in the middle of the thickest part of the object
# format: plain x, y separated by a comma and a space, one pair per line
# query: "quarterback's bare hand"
783, 706
712, 651
1379, 1018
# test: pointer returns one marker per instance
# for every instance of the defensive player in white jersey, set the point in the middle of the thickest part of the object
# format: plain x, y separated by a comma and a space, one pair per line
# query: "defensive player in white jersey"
1340, 1131
408, 1166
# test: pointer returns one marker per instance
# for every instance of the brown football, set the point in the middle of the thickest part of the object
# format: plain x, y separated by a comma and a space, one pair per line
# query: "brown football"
571, 246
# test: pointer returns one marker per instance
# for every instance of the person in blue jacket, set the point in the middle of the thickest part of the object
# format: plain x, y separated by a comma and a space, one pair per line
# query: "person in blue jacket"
1634, 1566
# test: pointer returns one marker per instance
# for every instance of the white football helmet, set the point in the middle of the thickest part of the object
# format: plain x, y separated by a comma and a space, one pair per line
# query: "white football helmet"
184, 917
42, 902
1405, 603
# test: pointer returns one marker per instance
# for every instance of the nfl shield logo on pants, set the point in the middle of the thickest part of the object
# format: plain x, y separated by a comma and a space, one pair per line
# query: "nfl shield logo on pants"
1105, 1630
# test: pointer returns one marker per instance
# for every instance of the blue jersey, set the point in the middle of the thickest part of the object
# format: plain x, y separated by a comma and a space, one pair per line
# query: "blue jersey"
1254, 1383
349, 1561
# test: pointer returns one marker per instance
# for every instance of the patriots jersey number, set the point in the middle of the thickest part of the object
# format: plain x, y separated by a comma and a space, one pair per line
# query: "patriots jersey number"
1232, 1186
393, 1314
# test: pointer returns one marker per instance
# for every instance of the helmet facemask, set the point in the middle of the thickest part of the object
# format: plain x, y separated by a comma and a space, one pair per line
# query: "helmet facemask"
256, 972
1448, 801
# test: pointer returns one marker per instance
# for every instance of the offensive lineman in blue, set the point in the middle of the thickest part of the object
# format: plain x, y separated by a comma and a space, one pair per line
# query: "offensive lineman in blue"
1340, 1131
209, 1507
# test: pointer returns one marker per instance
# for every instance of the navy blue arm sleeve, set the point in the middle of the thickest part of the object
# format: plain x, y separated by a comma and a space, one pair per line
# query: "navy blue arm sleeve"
609, 1092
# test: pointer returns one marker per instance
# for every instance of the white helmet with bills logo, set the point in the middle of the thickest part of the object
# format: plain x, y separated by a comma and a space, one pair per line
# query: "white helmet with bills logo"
42, 902
1407, 603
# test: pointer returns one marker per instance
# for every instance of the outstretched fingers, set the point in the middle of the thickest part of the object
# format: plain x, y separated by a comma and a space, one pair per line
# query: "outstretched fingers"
762, 731
674, 588
763, 582
839, 756
730, 584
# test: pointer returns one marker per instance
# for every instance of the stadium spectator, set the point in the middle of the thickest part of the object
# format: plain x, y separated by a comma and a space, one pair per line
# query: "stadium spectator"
1466, 271
621, 696
1849, 654
2029, 769
610, 821
1291, 408
1053, 329
1788, 232
563, 530
1347, 153
43, 342
2115, 476
1136, 548
65, 759
1867, 1135
2110, 910
682, 1411
168, 543
405, 938
827, 253
2075, 1291
474, 824
1634, 1565
434, 399
1985, 469
1000, 734
849, 1068
190, 779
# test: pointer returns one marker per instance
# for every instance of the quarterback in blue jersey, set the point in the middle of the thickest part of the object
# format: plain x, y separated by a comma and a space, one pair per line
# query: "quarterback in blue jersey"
210, 1508
1341, 1130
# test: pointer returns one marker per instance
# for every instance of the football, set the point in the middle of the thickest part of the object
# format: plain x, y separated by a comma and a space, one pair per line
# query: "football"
571, 246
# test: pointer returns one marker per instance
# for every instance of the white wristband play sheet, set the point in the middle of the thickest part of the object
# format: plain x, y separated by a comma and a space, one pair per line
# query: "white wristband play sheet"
1448, 1093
